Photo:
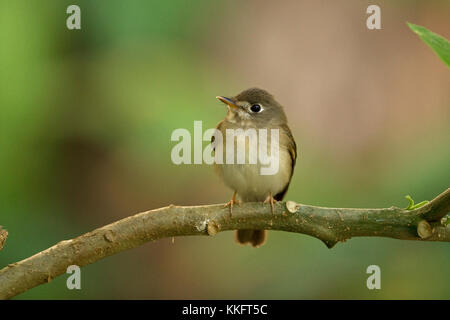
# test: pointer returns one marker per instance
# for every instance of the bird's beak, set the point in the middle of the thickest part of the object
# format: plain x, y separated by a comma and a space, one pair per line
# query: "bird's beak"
228, 102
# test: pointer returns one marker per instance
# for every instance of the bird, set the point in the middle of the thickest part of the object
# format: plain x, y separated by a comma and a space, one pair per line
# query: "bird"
255, 109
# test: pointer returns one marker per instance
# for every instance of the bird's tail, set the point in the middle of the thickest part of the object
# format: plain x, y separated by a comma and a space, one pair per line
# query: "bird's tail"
254, 237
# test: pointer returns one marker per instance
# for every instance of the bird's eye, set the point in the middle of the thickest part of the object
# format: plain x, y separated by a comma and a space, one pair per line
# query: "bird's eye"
256, 108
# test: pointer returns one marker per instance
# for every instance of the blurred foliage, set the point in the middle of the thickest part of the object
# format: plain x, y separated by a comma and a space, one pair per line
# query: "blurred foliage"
86, 118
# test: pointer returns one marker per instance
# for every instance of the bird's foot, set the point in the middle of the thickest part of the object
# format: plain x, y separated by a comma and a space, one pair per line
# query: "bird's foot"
231, 203
270, 200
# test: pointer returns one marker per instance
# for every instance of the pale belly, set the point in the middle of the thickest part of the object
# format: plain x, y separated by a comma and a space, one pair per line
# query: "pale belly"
250, 184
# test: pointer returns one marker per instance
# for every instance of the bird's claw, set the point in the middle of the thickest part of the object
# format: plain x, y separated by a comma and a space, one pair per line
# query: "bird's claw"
270, 200
231, 203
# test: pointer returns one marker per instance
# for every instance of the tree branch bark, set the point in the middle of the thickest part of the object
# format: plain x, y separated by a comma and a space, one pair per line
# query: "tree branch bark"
330, 225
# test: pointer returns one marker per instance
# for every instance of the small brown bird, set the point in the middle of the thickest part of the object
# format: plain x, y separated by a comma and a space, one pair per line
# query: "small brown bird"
256, 109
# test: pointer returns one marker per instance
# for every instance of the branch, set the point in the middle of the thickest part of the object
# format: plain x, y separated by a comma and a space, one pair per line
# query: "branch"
331, 225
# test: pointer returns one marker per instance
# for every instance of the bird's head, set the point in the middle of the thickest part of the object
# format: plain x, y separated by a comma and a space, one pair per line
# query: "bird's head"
254, 106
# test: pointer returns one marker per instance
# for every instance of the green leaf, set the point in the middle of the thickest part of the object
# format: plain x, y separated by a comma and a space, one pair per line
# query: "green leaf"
413, 206
411, 202
439, 44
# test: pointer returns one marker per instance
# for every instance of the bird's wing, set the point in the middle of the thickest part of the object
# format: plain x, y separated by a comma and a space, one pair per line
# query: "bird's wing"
292, 148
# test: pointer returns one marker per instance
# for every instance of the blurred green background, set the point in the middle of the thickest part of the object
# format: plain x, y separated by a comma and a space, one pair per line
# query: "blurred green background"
86, 118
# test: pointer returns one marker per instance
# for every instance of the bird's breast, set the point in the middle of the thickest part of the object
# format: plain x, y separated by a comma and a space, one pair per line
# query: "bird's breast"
254, 181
